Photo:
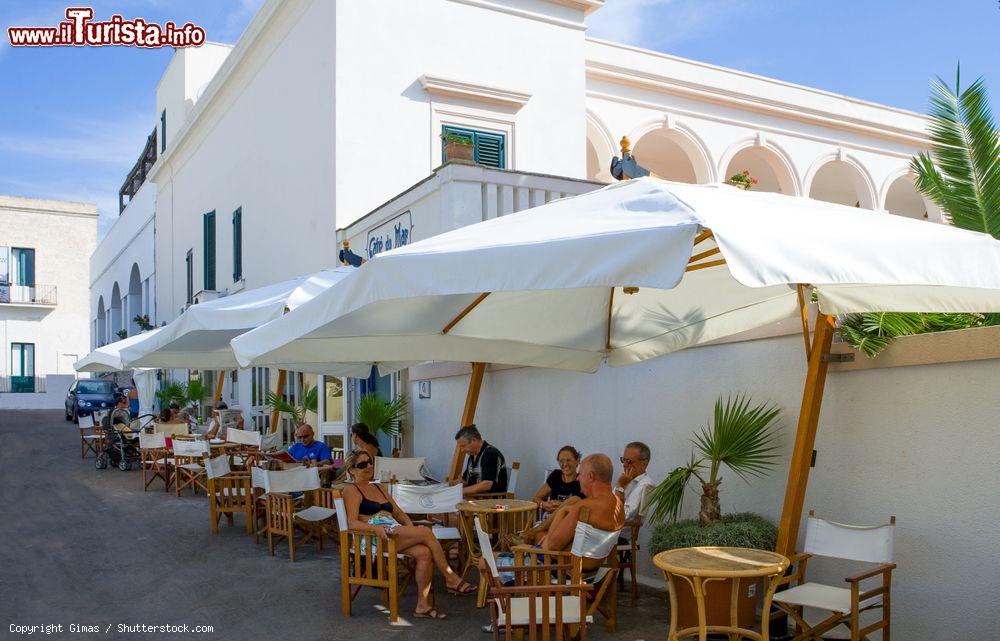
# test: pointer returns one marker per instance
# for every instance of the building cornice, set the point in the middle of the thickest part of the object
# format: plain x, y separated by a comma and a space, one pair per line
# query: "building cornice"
578, 25
438, 86
46, 206
761, 99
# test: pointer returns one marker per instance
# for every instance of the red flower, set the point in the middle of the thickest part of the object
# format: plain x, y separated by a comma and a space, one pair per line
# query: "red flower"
746, 172
754, 181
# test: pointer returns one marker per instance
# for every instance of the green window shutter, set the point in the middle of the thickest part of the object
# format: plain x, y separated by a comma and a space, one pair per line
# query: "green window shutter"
189, 267
209, 237
163, 131
237, 244
489, 148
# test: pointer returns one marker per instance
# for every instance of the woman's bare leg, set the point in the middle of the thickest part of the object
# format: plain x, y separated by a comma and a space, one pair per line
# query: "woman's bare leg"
423, 575
410, 536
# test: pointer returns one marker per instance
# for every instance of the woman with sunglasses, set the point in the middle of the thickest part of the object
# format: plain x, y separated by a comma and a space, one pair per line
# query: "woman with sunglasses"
371, 509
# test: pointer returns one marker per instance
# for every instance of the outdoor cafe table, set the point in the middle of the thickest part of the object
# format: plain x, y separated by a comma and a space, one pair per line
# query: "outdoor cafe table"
695, 567
499, 517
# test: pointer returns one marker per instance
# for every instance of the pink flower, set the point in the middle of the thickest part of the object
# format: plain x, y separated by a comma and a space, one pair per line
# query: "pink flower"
754, 181
746, 172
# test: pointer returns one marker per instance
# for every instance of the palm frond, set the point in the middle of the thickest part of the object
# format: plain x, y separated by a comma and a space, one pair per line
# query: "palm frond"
742, 436
667, 498
277, 403
380, 415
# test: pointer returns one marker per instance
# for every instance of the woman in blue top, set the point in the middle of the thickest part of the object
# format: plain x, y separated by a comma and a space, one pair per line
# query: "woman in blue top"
370, 508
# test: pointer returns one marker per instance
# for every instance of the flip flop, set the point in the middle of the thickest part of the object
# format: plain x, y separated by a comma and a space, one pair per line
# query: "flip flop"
429, 614
460, 591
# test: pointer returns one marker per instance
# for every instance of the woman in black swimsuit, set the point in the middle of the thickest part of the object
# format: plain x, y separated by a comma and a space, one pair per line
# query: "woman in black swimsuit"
364, 500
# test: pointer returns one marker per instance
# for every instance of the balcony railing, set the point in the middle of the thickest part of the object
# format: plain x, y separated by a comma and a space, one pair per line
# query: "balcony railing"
22, 384
28, 294
138, 174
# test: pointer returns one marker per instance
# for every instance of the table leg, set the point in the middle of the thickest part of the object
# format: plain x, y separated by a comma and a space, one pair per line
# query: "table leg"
699, 595
672, 591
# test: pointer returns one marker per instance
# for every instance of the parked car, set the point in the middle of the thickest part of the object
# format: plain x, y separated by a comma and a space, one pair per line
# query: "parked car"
87, 396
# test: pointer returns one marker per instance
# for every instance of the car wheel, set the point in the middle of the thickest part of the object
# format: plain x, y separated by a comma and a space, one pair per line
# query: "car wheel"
101, 463
67, 415
124, 465
76, 417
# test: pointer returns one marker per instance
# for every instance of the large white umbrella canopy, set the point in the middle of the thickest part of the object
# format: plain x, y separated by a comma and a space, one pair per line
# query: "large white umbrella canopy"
544, 287
199, 337
108, 358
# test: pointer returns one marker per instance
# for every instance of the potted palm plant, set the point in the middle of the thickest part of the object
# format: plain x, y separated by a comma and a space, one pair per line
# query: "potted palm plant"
296, 412
382, 416
742, 437
171, 392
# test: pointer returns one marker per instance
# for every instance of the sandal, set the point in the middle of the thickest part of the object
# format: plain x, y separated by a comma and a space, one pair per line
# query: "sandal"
429, 614
463, 588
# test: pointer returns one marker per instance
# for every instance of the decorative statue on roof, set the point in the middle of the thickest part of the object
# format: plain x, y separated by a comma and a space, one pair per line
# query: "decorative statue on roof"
627, 167
347, 257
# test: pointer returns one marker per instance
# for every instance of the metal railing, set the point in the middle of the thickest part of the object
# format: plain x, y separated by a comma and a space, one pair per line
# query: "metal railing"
22, 384
137, 175
28, 294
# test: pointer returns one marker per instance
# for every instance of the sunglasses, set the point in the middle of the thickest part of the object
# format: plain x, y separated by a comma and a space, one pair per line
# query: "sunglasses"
626, 461
361, 465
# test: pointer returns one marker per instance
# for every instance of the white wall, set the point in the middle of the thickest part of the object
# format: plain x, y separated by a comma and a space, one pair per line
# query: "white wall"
917, 442
53, 398
388, 124
63, 235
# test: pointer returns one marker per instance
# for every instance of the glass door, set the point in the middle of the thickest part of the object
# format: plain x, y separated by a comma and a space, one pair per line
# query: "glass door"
22, 367
332, 411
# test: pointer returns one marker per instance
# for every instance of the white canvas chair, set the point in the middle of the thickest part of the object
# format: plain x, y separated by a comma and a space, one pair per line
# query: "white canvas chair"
427, 500
170, 429
270, 441
513, 471
229, 493
155, 459
536, 602
188, 466
90, 438
867, 544
285, 514
249, 443
401, 469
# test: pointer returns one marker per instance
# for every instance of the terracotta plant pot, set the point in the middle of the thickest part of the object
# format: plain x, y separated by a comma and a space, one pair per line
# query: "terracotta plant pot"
458, 151
717, 598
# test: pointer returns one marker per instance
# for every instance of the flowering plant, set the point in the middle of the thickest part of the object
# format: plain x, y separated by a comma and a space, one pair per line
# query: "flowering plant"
743, 180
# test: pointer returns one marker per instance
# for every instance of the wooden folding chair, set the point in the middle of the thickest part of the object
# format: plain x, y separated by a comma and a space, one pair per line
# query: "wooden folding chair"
540, 602
286, 515
188, 466
365, 561
248, 451
155, 460
868, 544
588, 543
628, 552
422, 502
91, 436
229, 493
513, 471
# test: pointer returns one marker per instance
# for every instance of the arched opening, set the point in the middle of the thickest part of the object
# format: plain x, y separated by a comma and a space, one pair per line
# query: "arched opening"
841, 182
671, 156
115, 313
903, 199
101, 326
133, 302
771, 173
598, 154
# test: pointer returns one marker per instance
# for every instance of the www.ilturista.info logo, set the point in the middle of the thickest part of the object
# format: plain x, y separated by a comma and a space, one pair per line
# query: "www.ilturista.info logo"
80, 30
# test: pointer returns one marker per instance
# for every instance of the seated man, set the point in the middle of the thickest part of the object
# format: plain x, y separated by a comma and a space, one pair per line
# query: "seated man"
634, 485
486, 469
215, 427
307, 449
606, 511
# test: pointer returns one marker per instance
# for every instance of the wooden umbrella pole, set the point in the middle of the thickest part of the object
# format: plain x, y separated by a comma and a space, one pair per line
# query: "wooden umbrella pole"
280, 392
220, 379
468, 414
805, 436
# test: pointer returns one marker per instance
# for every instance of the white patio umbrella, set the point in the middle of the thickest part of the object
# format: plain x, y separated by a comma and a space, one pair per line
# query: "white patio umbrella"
632, 271
108, 358
544, 287
199, 338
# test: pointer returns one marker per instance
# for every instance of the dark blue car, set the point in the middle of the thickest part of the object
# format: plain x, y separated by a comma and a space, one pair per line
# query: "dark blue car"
87, 396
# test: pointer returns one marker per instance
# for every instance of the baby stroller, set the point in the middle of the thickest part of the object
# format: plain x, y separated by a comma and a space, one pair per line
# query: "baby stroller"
121, 449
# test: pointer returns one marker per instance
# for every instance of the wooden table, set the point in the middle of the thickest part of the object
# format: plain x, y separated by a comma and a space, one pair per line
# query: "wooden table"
695, 567
499, 517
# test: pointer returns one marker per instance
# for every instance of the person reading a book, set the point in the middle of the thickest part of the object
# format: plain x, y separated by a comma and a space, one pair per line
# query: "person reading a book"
370, 508
307, 449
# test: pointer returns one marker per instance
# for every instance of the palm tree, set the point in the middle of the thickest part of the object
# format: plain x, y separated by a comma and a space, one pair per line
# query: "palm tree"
310, 403
741, 437
379, 415
961, 175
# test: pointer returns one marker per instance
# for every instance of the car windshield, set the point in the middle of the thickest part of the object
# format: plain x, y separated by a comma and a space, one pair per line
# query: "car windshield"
94, 387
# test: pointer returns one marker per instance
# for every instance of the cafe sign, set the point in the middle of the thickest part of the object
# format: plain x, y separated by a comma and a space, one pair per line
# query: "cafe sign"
389, 235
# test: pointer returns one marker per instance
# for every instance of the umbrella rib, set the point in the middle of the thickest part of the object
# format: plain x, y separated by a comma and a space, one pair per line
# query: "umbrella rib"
464, 312
711, 263
705, 235
704, 254
611, 301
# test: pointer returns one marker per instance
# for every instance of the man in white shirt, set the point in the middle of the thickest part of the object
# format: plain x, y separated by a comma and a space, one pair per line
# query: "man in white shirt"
634, 484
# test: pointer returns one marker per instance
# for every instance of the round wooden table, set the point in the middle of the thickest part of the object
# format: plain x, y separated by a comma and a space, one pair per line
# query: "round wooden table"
499, 517
694, 567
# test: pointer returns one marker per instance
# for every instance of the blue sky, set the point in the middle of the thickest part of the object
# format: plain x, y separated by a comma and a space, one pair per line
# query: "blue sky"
78, 118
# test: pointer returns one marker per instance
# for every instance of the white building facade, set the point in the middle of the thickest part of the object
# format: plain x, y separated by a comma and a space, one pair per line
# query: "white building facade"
324, 123
44, 274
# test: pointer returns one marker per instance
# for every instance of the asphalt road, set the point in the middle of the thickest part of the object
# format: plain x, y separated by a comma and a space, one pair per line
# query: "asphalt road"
86, 547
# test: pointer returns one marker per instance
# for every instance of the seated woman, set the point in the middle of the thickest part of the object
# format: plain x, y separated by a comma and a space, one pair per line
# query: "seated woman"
371, 509
363, 439
561, 483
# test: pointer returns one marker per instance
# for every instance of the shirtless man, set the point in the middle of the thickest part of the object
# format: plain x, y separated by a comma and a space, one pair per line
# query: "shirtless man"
606, 510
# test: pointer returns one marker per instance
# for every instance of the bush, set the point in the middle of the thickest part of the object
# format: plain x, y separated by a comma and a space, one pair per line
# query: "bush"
743, 530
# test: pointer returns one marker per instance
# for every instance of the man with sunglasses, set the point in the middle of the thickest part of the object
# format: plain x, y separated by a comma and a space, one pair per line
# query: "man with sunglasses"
634, 484
307, 449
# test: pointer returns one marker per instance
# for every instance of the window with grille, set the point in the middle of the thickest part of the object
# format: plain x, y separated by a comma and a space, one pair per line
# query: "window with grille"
489, 148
